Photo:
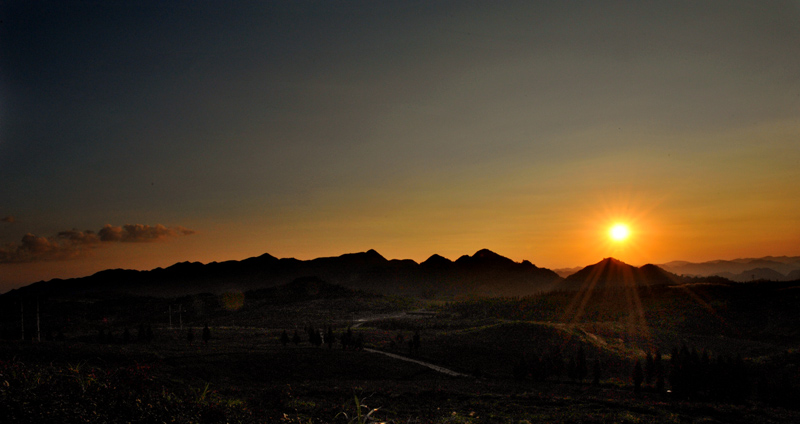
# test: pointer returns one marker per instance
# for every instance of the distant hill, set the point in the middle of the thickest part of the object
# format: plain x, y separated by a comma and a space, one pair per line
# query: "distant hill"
611, 273
566, 272
783, 265
753, 275
484, 273
301, 289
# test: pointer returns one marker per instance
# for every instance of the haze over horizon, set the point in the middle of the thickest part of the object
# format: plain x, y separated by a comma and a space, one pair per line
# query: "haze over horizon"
140, 135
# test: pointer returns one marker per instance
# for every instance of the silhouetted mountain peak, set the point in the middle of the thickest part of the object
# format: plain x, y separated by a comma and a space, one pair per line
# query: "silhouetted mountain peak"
613, 273
484, 257
487, 254
651, 267
611, 261
608, 266
370, 256
437, 261
267, 258
185, 268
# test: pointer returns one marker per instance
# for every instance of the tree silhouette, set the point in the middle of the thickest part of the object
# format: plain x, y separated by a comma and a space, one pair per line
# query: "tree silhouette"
700, 372
741, 381
296, 338
314, 337
359, 343
649, 369
581, 369
399, 340
658, 370
555, 364
284, 338
520, 369
694, 375
347, 339
638, 376
190, 336
596, 372
311, 335
572, 369
676, 374
330, 339
536, 369
206, 334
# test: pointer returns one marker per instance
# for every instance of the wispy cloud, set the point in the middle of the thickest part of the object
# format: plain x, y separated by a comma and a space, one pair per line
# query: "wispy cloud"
141, 233
8, 219
74, 243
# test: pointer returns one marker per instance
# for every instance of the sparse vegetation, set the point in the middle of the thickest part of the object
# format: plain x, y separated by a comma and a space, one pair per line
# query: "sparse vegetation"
522, 369
361, 413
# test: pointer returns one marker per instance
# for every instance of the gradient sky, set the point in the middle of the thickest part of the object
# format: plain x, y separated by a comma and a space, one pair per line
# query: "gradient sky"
224, 130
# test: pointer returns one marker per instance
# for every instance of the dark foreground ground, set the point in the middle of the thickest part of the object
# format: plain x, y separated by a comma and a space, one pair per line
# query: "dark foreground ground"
248, 375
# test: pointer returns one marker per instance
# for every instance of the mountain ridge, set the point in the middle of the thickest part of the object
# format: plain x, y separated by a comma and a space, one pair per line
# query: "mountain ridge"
739, 269
483, 273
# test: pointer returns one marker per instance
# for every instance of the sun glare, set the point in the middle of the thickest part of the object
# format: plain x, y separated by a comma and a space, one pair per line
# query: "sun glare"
619, 232
622, 227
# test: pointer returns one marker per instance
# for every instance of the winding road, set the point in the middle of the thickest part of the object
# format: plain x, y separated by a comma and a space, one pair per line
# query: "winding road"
423, 363
436, 368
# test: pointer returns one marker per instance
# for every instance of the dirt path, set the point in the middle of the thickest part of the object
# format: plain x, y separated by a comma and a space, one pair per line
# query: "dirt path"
361, 321
424, 364
415, 313
436, 368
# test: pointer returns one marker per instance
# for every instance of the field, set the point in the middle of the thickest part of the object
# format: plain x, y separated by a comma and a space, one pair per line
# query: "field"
247, 375
100, 366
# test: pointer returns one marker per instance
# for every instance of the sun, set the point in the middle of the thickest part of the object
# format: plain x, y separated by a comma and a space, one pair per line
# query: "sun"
619, 232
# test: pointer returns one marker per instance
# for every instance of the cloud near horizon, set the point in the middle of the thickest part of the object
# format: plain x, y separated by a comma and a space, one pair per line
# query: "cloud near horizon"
141, 233
71, 244
9, 219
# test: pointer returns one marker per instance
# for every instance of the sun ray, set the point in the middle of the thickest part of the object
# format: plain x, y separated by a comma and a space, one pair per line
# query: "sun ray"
575, 309
623, 227
707, 306
637, 321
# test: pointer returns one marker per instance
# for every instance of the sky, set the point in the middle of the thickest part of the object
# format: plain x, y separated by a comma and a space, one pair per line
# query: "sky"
140, 134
